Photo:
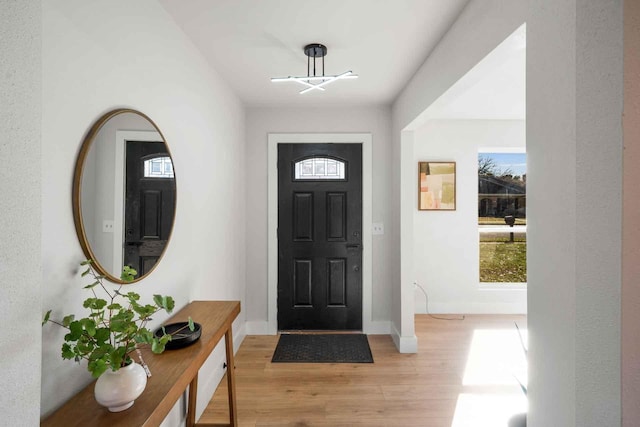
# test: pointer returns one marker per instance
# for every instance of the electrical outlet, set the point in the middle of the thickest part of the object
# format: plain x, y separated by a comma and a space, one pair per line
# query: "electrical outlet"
377, 228
107, 226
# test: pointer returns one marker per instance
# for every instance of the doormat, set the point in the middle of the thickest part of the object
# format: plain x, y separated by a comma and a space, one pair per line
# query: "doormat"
323, 348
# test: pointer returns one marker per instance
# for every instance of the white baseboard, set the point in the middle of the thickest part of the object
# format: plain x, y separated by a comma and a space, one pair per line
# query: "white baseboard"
406, 344
261, 327
435, 307
378, 327
257, 327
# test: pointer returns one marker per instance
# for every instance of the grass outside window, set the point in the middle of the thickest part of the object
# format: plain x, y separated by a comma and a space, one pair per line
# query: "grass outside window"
502, 261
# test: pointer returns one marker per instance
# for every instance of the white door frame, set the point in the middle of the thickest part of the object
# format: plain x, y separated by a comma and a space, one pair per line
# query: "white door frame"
122, 136
272, 261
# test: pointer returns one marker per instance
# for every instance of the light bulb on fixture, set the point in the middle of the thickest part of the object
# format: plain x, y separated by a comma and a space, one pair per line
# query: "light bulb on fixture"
315, 82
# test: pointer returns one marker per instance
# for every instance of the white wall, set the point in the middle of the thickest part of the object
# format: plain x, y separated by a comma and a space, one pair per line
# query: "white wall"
446, 251
574, 106
20, 184
260, 122
481, 27
574, 137
631, 218
101, 55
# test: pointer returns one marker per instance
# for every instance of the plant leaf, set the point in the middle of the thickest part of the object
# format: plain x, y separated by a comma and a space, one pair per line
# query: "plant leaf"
157, 346
132, 296
94, 303
144, 336
166, 302
92, 285
192, 326
102, 336
67, 352
97, 367
89, 325
45, 319
128, 274
66, 320
75, 331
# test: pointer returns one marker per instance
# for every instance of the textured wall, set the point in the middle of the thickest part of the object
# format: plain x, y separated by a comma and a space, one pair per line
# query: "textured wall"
631, 219
574, 142
101, 55
20, 183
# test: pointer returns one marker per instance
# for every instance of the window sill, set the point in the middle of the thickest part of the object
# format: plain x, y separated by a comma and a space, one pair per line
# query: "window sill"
501, 286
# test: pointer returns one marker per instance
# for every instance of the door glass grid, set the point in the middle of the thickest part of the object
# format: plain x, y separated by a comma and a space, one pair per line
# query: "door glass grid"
319, 168
159, 167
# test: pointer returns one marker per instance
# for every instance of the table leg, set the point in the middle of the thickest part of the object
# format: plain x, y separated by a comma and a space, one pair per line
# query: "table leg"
231, 379
191, 405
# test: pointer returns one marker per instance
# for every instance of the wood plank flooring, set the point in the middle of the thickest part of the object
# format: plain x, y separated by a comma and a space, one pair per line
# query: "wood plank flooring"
462, 370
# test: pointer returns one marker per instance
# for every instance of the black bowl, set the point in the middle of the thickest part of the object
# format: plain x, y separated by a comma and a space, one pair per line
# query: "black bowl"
181, 335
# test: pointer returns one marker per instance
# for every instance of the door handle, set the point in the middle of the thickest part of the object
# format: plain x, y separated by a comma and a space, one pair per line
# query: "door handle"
354, 246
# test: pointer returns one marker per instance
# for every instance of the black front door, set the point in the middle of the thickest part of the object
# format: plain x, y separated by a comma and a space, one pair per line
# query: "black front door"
149, 204
319, 236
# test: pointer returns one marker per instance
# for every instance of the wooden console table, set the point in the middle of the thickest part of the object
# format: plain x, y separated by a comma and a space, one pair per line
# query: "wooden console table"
172, 371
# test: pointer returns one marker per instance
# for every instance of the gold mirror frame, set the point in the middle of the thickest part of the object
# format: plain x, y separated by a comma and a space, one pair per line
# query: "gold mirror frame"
87, 143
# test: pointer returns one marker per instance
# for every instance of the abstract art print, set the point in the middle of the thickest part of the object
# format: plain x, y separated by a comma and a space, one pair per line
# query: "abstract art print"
437, 186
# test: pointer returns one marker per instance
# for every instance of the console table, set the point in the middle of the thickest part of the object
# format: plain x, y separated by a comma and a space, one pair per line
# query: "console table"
172, 372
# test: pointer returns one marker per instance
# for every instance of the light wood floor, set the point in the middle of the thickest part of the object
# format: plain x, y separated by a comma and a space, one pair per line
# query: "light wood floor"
461, 371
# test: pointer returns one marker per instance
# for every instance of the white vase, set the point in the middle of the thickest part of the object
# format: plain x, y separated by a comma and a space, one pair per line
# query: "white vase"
117, 390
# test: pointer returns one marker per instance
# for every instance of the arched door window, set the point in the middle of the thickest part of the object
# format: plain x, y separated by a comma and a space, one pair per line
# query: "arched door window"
158, 167
319, 168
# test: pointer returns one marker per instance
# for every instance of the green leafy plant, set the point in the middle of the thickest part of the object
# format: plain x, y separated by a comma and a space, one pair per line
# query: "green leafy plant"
114, 327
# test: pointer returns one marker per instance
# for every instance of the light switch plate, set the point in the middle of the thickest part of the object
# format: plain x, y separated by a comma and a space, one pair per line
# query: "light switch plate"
377, 228
107, 226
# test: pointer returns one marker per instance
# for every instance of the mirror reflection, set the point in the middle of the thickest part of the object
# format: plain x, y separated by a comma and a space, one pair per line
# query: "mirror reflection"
124, 194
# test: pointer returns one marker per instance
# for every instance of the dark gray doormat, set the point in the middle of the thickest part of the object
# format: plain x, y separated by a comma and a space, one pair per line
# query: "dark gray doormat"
323, 348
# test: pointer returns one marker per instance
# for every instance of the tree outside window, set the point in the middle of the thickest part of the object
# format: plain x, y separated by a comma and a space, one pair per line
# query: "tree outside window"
502, 217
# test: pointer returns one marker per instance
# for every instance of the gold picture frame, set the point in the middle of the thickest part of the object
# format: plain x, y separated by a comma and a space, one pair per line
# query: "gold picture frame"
437, 186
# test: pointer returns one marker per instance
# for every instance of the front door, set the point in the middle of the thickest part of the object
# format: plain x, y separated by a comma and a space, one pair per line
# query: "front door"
149, 203
319, 236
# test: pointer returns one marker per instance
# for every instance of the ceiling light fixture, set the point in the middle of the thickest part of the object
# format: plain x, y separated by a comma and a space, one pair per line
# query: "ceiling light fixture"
315, 82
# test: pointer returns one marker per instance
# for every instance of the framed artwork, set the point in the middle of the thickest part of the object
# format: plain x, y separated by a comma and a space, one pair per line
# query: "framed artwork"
437, 186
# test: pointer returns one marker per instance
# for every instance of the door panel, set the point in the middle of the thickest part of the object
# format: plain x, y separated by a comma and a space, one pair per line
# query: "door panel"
336, 217
303, 217
337, 282
302, 280
320, 239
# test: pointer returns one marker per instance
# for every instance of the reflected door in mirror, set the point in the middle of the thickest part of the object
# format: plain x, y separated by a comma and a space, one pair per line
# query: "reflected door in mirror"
150, 202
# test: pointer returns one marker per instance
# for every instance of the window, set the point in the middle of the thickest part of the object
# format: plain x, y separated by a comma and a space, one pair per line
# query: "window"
319, 168
502, 218
158, 167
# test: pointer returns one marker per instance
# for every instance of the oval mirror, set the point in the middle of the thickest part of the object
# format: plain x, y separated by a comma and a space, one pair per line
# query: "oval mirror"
124, 194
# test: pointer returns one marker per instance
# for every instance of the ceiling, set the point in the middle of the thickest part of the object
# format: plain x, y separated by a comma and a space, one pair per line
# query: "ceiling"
494, 89
249, 41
